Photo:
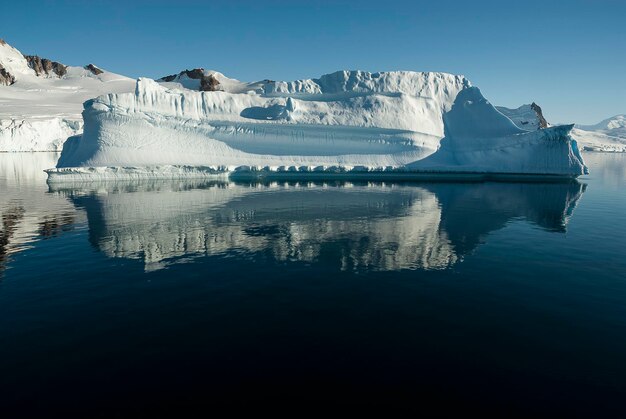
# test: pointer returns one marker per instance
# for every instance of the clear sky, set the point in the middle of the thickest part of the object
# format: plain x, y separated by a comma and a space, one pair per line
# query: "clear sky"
568, 56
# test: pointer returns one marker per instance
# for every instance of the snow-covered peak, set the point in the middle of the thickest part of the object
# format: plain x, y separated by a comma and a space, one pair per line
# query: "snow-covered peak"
16, 67
20, 66
607, 135
200, 79
44, 99
618, 122
13, 62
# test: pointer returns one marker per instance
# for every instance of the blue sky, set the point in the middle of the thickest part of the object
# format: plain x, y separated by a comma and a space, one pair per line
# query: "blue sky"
568, 56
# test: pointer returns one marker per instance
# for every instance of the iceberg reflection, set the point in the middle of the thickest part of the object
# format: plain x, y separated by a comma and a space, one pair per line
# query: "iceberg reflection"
27, 212
368, 226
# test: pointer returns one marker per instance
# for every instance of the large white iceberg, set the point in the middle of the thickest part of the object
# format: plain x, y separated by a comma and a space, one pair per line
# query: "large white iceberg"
354, 122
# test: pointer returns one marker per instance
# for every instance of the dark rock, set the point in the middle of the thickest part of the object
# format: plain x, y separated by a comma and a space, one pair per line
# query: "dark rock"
43, 66
95, 70
2, 42
6, 78
207, 83
196, 73
169, 78
542, 121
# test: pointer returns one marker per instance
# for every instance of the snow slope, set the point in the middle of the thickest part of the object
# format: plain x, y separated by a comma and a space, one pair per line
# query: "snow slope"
38, 113
616, 125
345, 121
209, 80
527, 117
13, 61
608, 135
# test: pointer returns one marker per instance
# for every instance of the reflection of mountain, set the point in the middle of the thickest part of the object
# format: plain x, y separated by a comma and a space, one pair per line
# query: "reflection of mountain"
358, 227
27, 211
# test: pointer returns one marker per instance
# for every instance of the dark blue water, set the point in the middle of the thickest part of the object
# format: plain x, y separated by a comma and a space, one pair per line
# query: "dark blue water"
126, 298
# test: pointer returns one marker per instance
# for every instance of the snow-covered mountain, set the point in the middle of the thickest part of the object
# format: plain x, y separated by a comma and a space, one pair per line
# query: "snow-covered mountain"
41, 100
615, 126
608, 135
353, 121
210, 81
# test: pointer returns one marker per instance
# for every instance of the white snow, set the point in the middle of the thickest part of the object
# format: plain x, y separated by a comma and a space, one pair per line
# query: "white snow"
182, 81
345, 121
40, 113
481, 139
524, 117
616, 124
13, 61
608, 135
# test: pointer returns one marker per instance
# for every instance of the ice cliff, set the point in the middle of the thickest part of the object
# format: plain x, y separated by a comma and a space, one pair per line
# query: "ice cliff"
348, 121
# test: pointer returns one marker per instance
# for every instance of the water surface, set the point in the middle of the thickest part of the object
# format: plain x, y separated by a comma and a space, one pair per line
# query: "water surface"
495, 296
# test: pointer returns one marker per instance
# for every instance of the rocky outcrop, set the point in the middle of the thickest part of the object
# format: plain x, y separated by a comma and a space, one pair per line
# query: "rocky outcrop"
208, 82
45, 67
169, 78
542, 121
6, 78
94, 70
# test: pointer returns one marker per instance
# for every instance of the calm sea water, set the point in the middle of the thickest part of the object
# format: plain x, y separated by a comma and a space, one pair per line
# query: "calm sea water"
127, 297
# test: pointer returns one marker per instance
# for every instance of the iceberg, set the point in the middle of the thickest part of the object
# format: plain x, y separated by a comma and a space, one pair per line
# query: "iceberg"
355, 123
